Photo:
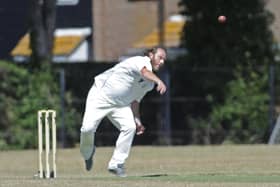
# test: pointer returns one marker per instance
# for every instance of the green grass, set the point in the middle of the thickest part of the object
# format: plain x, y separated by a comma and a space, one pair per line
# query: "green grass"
194, 166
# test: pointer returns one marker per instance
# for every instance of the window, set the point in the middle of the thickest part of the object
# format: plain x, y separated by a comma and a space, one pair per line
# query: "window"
67, 2
140, 0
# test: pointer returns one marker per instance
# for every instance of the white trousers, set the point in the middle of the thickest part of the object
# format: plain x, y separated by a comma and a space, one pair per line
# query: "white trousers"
97, 107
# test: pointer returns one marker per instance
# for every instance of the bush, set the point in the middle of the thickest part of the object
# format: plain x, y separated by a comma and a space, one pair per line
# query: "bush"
22, 94
244, 113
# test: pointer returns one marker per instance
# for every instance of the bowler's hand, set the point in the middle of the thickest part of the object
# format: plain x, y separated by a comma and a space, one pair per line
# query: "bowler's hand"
161, 88
140, 129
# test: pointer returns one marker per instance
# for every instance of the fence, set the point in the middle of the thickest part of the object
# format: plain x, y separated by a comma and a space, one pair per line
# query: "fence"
169, 119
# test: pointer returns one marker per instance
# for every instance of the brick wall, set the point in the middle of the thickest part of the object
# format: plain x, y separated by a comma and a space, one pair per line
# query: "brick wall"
274, 7
119, 23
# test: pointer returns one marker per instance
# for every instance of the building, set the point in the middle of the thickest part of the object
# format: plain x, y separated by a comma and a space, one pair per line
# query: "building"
114, 27
73, 35
118, 25
70, 45
274, 7
13, 25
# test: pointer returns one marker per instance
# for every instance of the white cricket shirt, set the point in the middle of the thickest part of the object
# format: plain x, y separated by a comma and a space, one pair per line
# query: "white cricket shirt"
124, 83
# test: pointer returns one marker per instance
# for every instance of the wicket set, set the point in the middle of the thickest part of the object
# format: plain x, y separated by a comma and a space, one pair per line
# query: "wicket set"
47, 118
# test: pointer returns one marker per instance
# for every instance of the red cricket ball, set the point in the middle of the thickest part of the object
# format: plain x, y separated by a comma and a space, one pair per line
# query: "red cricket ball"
222, 19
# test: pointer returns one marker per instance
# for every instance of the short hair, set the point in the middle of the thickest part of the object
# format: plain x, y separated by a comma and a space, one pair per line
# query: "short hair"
153, 50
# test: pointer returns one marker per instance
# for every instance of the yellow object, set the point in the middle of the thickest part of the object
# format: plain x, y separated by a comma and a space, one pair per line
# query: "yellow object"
172, 34
63, 45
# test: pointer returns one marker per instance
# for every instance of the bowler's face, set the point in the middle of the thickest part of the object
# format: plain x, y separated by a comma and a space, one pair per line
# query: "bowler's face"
158, 59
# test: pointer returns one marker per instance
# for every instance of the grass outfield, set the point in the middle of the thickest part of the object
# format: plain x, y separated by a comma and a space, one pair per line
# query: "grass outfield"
186, 166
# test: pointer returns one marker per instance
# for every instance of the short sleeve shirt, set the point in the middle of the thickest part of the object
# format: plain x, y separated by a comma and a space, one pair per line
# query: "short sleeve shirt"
124, 83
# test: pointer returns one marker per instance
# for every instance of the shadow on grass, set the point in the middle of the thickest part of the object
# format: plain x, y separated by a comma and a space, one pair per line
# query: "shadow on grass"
156, 175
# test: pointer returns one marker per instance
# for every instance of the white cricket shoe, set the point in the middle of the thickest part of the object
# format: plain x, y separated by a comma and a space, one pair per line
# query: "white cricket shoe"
118, 171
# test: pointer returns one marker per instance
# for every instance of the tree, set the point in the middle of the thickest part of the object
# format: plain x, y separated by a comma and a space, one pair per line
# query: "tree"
21, 95
244, 45
244, 39
244, 113
42, 26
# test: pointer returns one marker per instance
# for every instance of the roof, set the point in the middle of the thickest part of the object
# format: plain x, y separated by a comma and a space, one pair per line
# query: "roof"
65, 42
172, 33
